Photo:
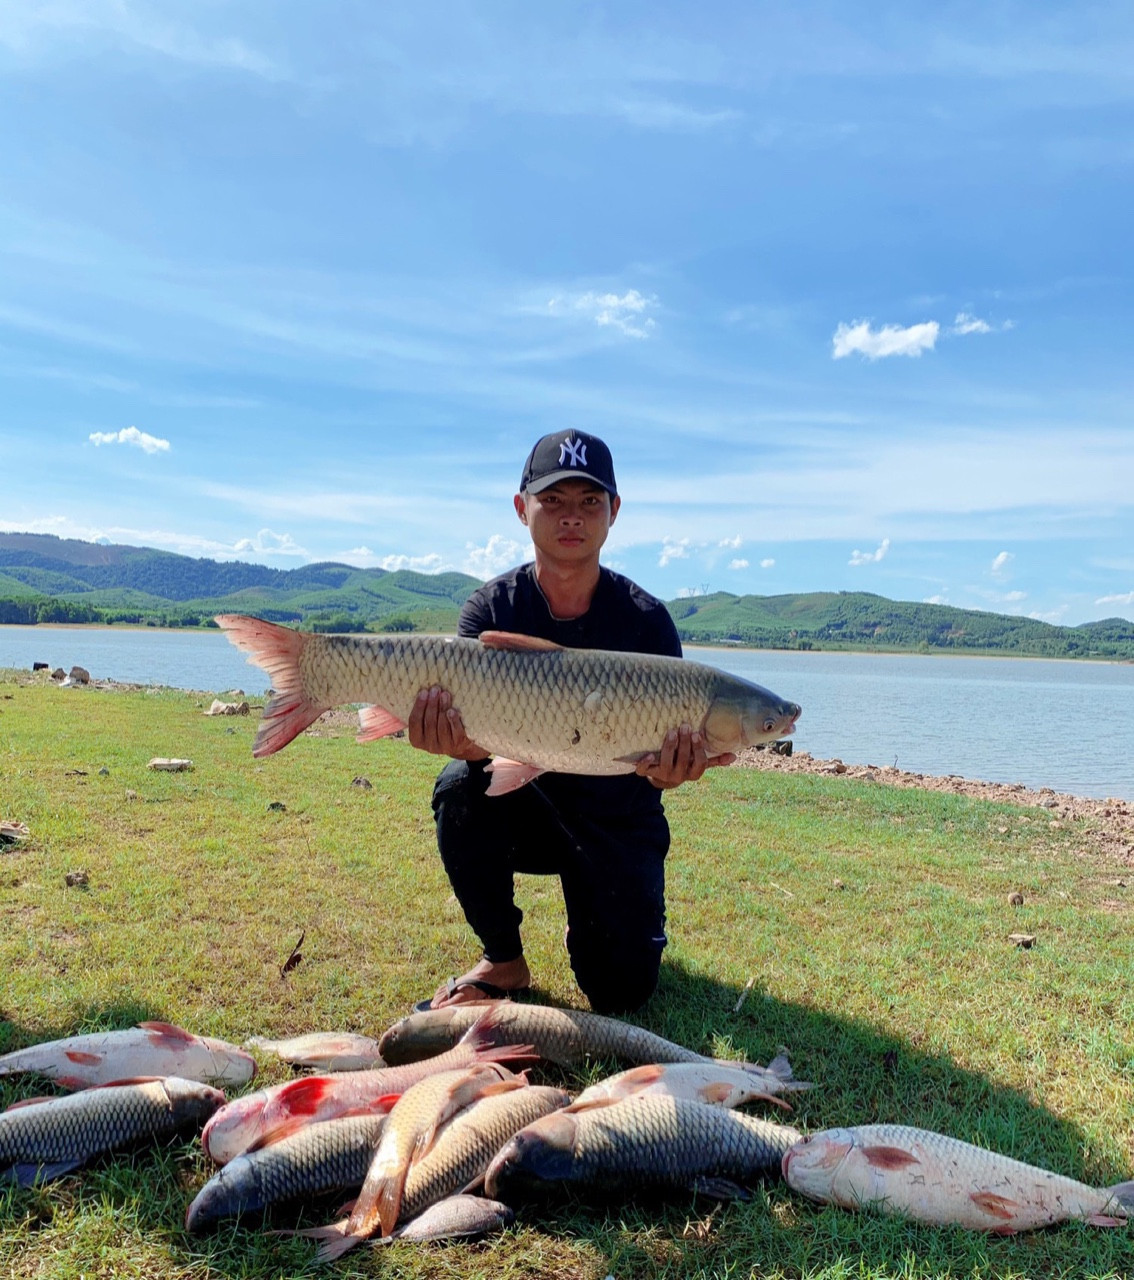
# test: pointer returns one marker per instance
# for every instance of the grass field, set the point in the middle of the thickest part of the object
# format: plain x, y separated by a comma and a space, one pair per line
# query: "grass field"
872, 922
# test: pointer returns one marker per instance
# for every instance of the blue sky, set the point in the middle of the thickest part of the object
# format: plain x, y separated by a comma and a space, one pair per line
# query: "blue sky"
847, 289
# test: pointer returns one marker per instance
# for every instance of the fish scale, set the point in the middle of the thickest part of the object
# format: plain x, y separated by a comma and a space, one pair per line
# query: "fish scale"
590, 711
644, 1141
332, 1155
69, 1130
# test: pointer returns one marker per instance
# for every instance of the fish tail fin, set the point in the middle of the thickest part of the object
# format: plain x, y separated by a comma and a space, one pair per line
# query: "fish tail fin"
277, 650
389, 1200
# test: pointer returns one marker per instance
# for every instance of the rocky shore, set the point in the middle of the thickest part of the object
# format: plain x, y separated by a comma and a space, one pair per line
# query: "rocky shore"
1106, 826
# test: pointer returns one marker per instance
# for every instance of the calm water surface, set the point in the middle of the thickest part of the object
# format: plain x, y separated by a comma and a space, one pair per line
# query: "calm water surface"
1065, 725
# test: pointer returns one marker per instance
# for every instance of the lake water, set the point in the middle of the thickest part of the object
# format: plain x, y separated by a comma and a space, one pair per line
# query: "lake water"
1059, 724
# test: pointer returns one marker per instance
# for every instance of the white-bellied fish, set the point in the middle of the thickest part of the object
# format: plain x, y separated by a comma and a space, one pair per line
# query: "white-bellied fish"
149, 1049
534, 705
323, 1050
722, 1083
930, 1177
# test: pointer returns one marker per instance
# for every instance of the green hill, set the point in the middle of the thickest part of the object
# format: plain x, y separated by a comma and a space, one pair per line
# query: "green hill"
43, 578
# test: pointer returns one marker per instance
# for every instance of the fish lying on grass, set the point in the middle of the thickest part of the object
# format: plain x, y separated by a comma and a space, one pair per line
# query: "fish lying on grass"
725, 1084
461, 1153
407, 1137
933, 1178
149, 1049
534, 705
563, 1036
455, 1217
323, 1050
640, 1142
272, 1113
45, 1138
332, 1156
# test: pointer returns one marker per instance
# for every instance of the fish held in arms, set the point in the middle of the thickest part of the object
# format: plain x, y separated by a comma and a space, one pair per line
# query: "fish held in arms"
535, 705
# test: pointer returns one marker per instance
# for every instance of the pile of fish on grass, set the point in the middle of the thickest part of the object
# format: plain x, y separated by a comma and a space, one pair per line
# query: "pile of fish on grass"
434, 1111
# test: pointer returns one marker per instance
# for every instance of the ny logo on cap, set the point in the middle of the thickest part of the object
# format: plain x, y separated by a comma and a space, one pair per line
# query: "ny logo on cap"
573, 453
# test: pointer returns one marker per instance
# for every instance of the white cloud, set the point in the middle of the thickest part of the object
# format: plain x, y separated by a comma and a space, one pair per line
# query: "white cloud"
1001, 562
269, 543
767, 563
498, 554
965, 323
935, 600
130, 435
738, 564
1127, 599
626, 313
870, 557
689, 593
890, 340
1014, 597
733, 543
431, 563
672, 549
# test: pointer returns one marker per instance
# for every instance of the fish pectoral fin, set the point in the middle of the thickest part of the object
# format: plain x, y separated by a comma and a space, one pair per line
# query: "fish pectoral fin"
517, 642
28, 1175
889, 1157
995, 1206
29, 1102
635, 757
720, 1188
377, 722
510, 775
81, 1058
1104, 1220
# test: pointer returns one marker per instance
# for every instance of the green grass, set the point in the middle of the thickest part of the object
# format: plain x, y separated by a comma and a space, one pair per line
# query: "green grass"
872, 921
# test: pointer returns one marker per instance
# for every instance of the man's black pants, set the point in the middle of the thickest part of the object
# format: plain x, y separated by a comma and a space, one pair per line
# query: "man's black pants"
612, 872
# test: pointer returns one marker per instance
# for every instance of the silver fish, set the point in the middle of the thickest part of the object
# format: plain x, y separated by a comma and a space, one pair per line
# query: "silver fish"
532, 704
455, 1217
149, 1049
563, 1036
641, 1141
331, 1156
44, 1139
724, 1084
323, 1050
932, 1178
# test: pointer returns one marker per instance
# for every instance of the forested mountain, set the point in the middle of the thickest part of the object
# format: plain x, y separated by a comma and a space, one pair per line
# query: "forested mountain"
48, 579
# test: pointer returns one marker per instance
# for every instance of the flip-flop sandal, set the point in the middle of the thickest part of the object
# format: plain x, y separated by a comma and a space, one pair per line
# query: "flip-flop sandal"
489, 990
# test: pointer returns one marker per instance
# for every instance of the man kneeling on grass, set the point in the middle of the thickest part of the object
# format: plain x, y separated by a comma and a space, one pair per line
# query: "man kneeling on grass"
605, 837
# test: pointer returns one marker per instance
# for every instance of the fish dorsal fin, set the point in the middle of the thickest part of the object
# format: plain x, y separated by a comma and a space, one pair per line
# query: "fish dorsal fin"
167, 1031
517, 642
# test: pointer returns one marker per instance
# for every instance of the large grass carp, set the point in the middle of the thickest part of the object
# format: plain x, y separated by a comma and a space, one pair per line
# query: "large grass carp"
149, 1049
563, 1036
271, 1114
332, 1156
534, 705
933, 1178
46, 1138
641, 1141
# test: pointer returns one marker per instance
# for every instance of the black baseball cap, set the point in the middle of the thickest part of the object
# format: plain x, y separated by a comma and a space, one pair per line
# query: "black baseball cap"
568, 455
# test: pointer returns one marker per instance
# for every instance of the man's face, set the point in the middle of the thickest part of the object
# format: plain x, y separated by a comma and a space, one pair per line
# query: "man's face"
568, 520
